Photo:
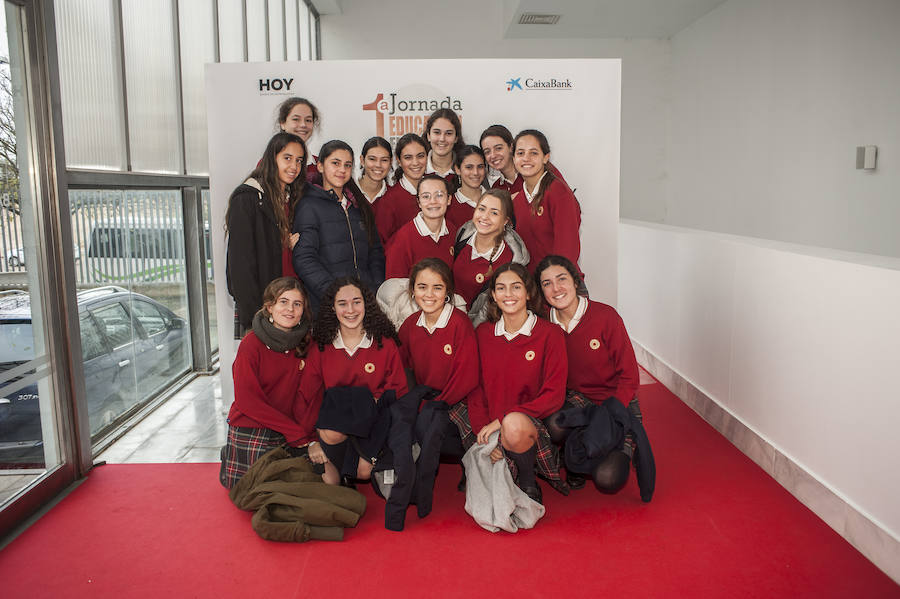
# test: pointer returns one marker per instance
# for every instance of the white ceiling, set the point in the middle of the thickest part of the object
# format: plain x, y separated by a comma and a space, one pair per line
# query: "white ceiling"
657, 19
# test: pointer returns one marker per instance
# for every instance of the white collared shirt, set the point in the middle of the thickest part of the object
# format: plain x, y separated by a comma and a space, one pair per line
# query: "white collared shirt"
494, 175
500, 327
407, 185
462, 199
579, 313
442, 320
338, 343
486, 255
423, 230
380, 193
429, 168
537, 186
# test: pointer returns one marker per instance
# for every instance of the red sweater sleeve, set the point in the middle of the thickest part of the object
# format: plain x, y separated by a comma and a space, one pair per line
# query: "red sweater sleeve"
397, 258
395, 376
251, 401
309, 394
464, 374
478, 409
622, 354
555, 370
566, 216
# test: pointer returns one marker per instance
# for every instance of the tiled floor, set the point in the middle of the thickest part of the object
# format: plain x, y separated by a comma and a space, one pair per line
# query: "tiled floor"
189, 427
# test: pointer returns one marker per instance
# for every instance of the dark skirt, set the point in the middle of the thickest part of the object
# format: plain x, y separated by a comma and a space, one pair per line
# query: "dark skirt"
243, 447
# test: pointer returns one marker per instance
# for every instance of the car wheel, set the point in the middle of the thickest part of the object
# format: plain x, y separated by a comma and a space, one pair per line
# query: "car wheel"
13, 262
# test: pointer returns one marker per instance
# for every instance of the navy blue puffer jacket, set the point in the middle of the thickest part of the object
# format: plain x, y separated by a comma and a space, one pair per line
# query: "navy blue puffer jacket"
333, 243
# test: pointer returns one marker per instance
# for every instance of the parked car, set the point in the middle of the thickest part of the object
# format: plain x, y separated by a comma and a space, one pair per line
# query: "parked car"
16, 258
131, 346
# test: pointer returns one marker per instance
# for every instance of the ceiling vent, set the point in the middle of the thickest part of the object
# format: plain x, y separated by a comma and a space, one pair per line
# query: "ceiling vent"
530, 18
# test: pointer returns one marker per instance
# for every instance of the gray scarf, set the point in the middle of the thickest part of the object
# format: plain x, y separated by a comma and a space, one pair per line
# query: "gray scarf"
275, 338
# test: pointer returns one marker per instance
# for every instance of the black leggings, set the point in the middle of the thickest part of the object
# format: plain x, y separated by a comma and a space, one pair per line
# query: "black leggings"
610, 474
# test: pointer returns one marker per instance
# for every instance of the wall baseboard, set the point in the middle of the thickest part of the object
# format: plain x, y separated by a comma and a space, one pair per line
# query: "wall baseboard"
876, 544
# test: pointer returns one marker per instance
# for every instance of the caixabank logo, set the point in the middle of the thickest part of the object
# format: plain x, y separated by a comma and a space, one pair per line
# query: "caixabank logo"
530, 84
405, 110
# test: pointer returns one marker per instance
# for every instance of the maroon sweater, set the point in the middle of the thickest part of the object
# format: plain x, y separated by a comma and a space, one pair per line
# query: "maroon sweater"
266, 383
378, 369
601, 358
395, 208
408, 247
554, 229
527, 374
446, 359
470, 275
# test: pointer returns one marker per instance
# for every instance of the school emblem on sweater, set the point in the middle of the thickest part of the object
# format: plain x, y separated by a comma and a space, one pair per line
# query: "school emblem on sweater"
451, 250
301, 365
479, 278
448, 349
369, 367
540, 211
529, 355
595, 344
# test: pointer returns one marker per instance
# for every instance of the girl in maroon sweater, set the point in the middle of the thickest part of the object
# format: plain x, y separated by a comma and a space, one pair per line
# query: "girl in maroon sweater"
483, 244
602, 365
548, 216
267, 371
399, 205
428, 235
523, 374
443, 138
356, 347
375, 164
469, 166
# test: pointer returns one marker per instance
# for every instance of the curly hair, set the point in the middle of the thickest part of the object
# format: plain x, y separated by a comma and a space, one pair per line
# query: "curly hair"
271, 294
375, 323
534, 301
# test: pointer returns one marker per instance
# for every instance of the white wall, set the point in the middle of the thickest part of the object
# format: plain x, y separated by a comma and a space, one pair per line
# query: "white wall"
769, 101
802, 348
474, 29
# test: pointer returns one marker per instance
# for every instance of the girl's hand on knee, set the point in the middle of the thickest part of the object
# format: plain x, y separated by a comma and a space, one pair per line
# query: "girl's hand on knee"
487, 430
496, 455
316, 455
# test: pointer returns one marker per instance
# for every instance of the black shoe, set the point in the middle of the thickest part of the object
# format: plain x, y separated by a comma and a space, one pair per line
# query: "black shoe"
575, 481
534, 493
461, 485
347, 481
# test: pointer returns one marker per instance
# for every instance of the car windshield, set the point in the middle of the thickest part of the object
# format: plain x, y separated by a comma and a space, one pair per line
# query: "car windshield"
16, 342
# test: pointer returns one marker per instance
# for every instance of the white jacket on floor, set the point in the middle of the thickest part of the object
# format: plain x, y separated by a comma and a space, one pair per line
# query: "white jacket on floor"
492, 498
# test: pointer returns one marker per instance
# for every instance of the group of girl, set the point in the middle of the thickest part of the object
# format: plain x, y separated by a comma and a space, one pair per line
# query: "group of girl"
457, 219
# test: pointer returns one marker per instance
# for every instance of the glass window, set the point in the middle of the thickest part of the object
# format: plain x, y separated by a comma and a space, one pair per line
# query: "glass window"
304, 31
290, 23
92, 344
90, 84
276, 30
257, 42
151, 319
231, 30
210, 283
151, 75
115, 325
198, 47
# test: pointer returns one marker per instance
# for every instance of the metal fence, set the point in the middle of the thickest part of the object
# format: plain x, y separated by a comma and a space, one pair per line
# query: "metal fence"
119, 237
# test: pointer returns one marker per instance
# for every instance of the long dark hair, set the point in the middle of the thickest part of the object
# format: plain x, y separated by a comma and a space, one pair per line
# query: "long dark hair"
376, 142
549, 177
375, 323
355, 194
401, 145
271, 294
463, 153
266, 174
555, 260
535, 297
450, 115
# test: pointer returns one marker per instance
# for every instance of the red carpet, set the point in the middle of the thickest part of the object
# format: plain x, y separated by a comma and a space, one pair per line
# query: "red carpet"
717, 527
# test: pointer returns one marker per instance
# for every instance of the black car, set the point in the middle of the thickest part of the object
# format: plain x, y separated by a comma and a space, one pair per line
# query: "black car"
131, 345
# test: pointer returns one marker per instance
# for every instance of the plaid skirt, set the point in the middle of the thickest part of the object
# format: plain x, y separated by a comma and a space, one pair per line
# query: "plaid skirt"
243, 447
575, 399
547, 458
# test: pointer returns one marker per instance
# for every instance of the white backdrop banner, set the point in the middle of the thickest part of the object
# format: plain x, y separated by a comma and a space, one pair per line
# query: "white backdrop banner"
574, 102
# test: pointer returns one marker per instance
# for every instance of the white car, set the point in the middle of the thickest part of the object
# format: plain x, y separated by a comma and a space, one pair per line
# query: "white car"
16, 258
